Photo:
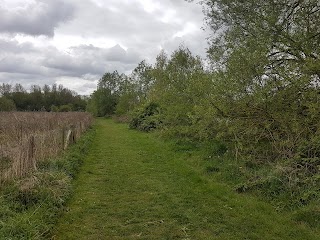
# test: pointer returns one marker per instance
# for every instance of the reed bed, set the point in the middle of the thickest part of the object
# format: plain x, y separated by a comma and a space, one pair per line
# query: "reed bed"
26, 138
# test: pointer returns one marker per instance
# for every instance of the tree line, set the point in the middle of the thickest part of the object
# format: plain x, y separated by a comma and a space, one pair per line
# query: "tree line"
48, 98
257, 93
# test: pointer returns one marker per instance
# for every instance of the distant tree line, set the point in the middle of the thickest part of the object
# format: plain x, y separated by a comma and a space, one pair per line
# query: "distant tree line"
257, 93
48, 98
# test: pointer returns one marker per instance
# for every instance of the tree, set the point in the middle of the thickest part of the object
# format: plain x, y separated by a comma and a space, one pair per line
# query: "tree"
129, 97
5, 89
177, 88
66, 108
267, 58
6, 104
142, 78
38, 99
20, 97
105, 99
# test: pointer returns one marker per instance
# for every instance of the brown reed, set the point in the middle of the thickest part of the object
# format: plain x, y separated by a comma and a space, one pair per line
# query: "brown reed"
29, 137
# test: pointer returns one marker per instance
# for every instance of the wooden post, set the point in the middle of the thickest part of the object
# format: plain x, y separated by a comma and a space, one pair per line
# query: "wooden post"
73, 134
31, 157
68, 139
63, 137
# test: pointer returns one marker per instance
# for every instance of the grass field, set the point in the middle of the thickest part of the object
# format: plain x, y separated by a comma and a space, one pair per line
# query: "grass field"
135, 186
27, 138
30, 206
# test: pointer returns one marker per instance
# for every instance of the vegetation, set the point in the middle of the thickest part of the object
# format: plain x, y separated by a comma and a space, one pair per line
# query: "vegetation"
54, 98
257, 95
31, 206
135, 186
27, 138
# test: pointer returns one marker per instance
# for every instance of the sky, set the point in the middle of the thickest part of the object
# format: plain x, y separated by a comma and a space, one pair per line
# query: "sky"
74, 42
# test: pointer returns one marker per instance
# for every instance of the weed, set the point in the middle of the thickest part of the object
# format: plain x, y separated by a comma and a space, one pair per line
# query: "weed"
30, 207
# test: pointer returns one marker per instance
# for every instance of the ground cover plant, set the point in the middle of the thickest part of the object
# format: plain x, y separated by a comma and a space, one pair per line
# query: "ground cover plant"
135, 185
257, 94
31, 205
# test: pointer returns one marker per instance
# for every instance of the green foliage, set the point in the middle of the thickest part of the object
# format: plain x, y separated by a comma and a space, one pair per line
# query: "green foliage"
6, 104
310, 215
54, 108
41, 99
139, 186
264, 94
257, 95
104, 100
30, 207
146, 118
128, 98
66, 108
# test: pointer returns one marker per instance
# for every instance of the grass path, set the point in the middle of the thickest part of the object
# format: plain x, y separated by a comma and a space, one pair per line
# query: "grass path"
134, 186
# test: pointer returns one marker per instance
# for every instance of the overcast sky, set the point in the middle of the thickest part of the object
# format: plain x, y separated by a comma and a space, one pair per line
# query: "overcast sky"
74, 42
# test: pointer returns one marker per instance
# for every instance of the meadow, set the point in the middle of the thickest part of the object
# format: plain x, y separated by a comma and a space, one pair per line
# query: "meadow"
26, 138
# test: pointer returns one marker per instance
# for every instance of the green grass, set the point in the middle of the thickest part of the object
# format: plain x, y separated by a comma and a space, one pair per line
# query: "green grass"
133, 185
30, 207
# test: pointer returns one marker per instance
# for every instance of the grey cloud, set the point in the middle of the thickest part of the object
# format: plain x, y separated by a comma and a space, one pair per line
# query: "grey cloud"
25, 79
13, 46
14, 64
130, 24
84, 61
126, 21
140, 34
38, 18
72, 66
113, 54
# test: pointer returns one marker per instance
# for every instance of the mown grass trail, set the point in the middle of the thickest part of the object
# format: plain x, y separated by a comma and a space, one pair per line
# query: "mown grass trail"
134, 186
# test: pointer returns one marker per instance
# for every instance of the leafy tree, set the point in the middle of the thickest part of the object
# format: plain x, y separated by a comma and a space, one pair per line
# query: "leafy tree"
38, 99
20, 97
105, 99
178, 82
66, 108
128, 98
54, 108
6, 104
5, 89
266, 56
142, 78
146, 118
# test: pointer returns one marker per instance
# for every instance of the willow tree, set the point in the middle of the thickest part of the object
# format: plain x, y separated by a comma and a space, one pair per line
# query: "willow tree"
180, 83
268, 57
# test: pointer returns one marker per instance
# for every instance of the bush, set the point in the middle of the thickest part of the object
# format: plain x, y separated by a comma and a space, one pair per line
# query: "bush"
6, 105
146, 118
65, 108
29, 208
54, 108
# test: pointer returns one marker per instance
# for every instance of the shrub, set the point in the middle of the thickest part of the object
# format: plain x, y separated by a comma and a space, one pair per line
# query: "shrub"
54, 108
65, 108
6, 105
146, 118
30, 207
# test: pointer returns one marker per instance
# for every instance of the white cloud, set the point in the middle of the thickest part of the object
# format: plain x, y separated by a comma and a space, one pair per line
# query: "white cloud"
40, 17
74, 42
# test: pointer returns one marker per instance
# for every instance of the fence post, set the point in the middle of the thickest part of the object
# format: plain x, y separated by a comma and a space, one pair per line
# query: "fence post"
71, 137
31, 157
73, 134
63, 137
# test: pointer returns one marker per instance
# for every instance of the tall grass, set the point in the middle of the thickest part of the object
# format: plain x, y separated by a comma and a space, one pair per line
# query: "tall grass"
26, 138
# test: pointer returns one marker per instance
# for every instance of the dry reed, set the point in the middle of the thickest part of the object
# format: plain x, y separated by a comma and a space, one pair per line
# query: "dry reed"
29, 137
